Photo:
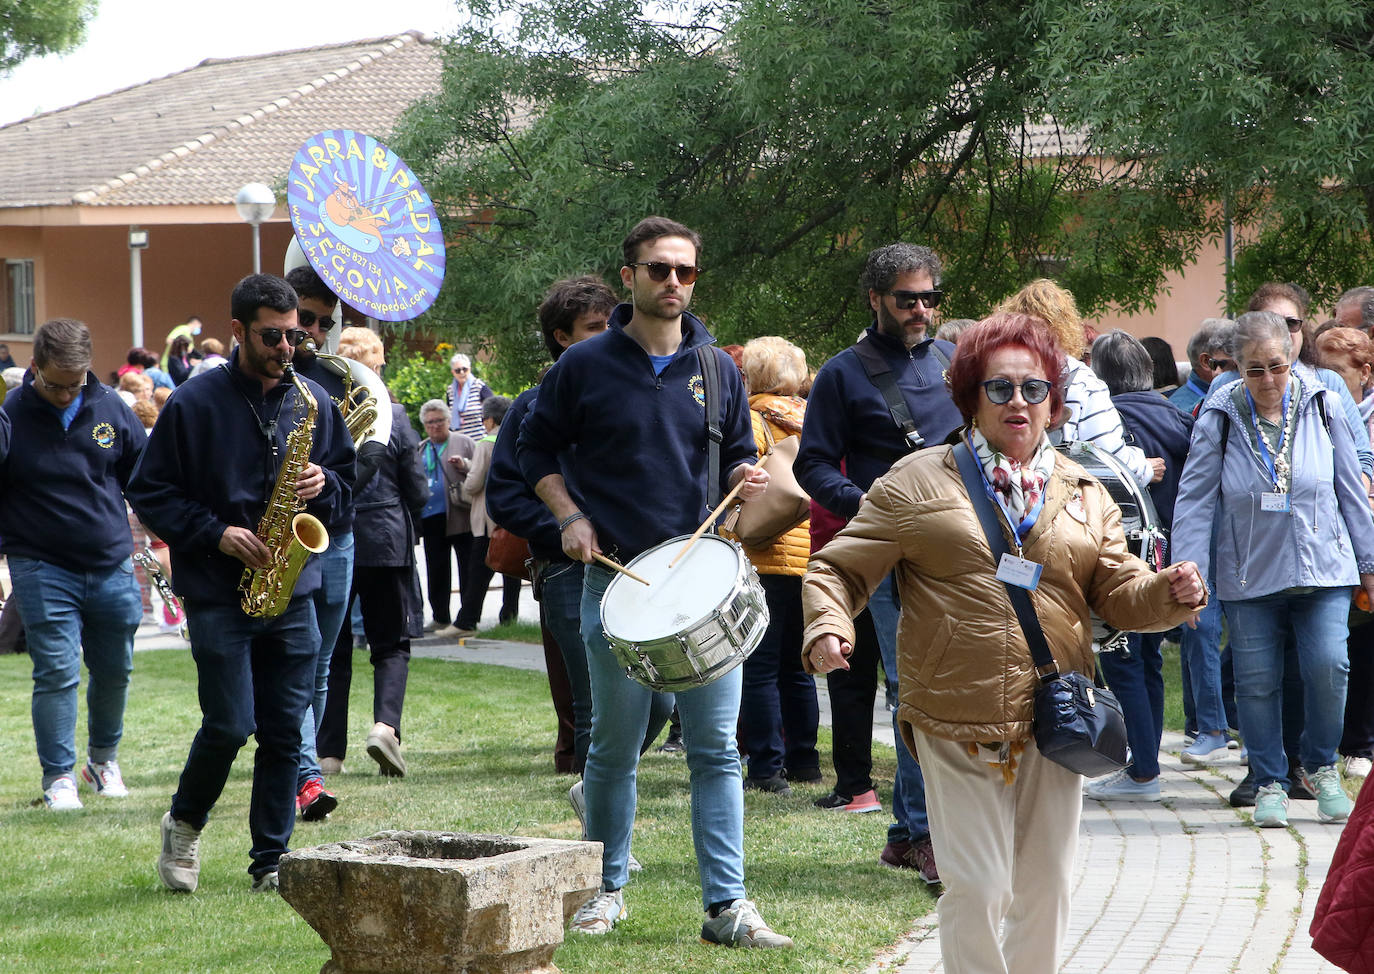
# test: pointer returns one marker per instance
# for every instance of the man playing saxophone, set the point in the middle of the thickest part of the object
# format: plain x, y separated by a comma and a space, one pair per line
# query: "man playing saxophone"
203, 484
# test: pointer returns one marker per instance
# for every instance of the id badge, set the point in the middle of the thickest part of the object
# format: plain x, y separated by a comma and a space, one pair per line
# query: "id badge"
1019, 572
1273, 501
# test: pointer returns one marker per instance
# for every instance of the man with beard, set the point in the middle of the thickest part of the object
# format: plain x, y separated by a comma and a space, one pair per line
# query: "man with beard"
872, 404
622, 417
203, 483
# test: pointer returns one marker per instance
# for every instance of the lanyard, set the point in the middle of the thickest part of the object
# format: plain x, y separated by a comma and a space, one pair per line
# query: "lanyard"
1021, 531
432, 454
1263, 447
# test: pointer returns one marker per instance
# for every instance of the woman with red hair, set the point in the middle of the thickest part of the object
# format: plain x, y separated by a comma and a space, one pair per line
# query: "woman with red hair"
1003, 817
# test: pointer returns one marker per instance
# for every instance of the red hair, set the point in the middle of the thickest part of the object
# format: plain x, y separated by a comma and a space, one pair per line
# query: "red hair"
968, 369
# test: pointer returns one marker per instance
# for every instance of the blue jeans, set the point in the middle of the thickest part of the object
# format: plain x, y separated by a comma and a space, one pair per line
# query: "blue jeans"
1259, 629
560, 599
331, 606
779, 713
909, 788
254, 676
620, 715
1138, 682
67, 615
1200, 650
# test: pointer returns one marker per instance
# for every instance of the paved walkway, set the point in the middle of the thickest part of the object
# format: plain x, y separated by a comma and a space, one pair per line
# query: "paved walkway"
1184, 885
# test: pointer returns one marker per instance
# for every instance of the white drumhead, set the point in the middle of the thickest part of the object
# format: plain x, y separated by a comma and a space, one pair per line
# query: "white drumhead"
677, 597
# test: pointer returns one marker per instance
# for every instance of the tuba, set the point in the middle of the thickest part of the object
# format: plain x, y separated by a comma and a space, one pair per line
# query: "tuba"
291, 534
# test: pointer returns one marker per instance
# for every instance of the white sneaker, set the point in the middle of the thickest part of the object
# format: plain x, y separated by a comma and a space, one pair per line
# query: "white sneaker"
105, 779
1357, 767
61, 795
1120, 786
740, 925
178, 865
600, 914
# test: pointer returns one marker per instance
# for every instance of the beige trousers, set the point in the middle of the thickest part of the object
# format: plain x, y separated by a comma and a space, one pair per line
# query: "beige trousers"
1005, 854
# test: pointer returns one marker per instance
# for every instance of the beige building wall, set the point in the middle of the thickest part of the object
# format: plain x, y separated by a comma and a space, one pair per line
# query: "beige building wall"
1198, 292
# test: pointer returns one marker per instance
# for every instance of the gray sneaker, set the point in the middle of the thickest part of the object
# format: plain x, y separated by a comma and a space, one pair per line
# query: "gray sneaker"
178, 866
739, 925
266, 882
600, 914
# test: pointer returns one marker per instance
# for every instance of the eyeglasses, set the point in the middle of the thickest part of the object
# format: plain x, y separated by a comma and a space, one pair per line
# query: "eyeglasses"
659, 271
906, 300
308, 318
1279, 368
1221, 364
999, 391
70, 390
271, 337
1294, 324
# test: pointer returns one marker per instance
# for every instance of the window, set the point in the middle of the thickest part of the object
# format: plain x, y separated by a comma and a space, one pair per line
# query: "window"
19, 313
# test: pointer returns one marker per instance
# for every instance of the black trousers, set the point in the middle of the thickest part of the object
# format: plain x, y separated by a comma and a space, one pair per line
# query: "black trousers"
385, 597
1358, 738
438, 568
852, 693
475, 585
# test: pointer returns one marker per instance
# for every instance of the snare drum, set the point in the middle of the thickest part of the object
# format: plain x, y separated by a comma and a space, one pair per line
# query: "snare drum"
695, 622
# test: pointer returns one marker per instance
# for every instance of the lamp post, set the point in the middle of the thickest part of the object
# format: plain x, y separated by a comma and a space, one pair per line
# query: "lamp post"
255, 203
138, 242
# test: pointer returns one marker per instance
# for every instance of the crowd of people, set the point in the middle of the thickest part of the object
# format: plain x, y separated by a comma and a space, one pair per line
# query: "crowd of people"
925, 448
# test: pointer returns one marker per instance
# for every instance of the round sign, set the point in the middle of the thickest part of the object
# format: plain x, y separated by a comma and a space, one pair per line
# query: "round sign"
366, 224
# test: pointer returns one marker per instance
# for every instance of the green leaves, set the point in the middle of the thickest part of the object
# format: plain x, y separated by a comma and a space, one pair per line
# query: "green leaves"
31, 28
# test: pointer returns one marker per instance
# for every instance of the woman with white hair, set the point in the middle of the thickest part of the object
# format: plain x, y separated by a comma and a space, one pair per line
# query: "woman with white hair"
465, 396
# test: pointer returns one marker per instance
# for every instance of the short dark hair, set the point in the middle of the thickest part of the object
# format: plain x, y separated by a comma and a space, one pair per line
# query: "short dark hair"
568, 300
977, 345
884, 265
141, 357
307, 284
1272, 290
653, 228
1162, 355
63, 342
1123, 363
495, 408
260, 291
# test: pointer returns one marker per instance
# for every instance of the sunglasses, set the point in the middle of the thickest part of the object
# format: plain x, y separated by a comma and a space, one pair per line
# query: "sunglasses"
1294, 324
1033, 391
659, 271
1258, 371
308, 318
1221, 364
906, 300
271, 337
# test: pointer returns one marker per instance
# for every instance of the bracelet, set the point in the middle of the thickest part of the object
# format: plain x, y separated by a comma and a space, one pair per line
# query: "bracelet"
563, 524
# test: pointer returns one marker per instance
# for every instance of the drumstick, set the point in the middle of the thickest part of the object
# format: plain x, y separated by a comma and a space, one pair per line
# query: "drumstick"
709, 518
617, 566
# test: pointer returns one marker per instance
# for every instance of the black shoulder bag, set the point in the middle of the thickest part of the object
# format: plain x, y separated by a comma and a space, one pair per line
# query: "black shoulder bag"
1077, 721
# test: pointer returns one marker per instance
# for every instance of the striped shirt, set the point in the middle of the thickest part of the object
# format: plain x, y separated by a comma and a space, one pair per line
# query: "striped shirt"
1093, 419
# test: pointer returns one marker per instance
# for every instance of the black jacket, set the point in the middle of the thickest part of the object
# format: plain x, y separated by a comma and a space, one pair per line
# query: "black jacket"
1160, 430
389, 506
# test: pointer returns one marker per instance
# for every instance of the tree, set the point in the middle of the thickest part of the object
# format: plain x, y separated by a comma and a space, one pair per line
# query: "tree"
31, 28
799, 134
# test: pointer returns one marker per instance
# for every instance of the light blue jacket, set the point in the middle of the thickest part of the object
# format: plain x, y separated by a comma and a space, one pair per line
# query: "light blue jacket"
1326, 539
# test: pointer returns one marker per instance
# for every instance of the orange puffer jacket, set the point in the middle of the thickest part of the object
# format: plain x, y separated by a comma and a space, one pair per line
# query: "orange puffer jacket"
783, 416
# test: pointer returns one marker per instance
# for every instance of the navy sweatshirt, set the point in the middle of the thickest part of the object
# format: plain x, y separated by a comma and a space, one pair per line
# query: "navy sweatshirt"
1161, 431
209, 465
511, 501
848, 419
634, 443
63, 489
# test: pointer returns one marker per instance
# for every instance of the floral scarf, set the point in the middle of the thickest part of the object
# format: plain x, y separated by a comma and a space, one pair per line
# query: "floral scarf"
1016, 486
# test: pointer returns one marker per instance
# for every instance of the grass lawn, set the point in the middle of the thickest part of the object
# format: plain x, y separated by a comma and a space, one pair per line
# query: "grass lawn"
81, 894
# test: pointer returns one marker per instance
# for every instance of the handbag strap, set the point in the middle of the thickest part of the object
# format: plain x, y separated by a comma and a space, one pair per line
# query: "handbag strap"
976, 484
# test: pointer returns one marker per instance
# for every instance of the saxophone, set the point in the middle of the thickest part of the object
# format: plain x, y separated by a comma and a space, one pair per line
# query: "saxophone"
290, 534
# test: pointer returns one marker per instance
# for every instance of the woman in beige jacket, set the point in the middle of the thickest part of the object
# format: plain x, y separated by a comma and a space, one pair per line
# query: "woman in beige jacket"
1004, 819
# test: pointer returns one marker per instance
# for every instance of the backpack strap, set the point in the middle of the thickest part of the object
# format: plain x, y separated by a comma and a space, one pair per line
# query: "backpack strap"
710, 376
881, 375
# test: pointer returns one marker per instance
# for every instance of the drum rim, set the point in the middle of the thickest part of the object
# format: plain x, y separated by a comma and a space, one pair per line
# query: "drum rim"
741, 580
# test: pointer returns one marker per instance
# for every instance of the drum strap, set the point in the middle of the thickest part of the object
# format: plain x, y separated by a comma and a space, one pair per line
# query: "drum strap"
710, 380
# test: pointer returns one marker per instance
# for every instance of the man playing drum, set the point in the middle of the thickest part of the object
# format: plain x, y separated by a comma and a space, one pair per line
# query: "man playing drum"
631, 403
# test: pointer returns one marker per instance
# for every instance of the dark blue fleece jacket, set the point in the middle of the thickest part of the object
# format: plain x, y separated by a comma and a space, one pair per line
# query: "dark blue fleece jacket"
209, 465
511, 501
1161, 431
63, 499
633, 442
847, 420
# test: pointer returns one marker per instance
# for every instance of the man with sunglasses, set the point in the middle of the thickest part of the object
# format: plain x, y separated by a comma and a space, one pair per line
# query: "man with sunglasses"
316, 313
66, 534
202, 485
1206, 355
874, 403
623, 417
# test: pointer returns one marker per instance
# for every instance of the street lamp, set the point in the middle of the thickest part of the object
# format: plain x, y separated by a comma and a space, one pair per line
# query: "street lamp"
138, 242
255, 203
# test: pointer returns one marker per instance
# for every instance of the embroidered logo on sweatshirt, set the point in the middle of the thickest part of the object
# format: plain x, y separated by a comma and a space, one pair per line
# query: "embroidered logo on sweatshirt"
698, 388
104, 434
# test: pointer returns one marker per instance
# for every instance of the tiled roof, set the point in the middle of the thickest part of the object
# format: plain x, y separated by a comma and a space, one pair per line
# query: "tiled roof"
196, 136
